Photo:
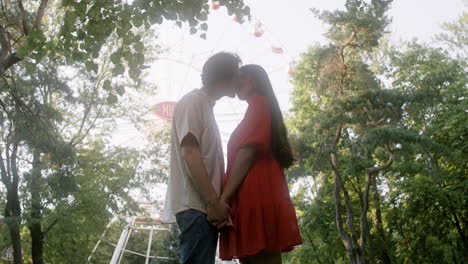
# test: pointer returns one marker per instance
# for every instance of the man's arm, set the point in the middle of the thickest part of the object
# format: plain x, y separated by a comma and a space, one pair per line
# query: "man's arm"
244, 159
217, 210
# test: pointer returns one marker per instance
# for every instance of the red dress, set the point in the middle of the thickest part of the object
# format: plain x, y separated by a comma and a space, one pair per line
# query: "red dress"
263, 216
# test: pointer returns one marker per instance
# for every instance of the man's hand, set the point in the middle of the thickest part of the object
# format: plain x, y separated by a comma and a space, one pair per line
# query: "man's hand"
218, 212
225, 224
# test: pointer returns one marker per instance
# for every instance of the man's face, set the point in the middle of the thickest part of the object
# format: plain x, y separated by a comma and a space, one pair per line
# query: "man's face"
230, 88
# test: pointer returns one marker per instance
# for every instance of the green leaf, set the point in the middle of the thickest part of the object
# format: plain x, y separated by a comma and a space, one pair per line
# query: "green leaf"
138, 46
156, 19
138, 20
118, 69
77, 56
193, 30
107, 85
203, 16
134, 73
120, 90
115, 57
80, 8
139, 58
30, 68
204, 26
91, 66
203, 36
128, 55
22, 51
112, 99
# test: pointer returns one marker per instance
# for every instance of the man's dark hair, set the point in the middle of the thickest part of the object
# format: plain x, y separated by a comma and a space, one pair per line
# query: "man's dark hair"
220, 67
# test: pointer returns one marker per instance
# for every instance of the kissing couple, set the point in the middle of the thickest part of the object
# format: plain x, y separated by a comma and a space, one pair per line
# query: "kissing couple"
247, 205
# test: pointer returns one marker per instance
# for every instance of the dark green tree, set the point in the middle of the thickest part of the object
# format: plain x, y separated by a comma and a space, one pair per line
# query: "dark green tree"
44, 118
381, 133
352, 120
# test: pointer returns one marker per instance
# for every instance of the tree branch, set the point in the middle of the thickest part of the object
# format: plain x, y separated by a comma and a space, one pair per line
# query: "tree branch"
47, 230
40, 14
5, 47
350, 241
375, 123
9, 61
339, 214
364, 209
339, 181
345, 67
93, 123
83, 120
7, 58
314, 247
4, 176
365, 206
389, 163
14, 167
24, 17
78, 138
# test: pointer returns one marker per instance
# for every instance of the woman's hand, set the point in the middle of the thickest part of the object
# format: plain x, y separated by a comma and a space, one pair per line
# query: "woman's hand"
228, 222
225, 224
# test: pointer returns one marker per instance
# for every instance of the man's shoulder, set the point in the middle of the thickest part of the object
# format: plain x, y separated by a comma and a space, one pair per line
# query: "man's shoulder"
191, 100
192, 104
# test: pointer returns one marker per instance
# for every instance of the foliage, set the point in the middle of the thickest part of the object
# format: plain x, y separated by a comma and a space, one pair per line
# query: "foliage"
78, 31
406, 101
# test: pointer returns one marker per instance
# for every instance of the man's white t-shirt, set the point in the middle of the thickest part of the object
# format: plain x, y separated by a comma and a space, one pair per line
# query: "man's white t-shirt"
193, 114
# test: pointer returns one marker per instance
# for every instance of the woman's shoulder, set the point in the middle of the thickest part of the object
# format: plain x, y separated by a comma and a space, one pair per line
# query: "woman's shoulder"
259, 106
258, 101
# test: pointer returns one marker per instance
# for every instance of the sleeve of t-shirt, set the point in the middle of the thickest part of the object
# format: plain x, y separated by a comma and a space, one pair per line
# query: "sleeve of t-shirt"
189, 119
256, 124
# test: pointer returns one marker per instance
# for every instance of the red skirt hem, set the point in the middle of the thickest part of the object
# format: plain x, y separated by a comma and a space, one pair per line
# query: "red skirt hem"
284, 250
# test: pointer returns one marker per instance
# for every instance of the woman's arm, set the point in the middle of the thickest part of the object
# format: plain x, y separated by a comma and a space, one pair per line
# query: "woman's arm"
244, 159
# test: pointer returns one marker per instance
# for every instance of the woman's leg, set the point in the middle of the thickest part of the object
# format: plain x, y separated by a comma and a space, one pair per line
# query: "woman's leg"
244, 261
272, 258
263, 258
253, 259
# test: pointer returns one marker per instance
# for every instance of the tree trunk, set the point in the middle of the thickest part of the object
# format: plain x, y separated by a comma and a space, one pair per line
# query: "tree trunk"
10, 179
349, 240
37, 236
382, 252
13, 216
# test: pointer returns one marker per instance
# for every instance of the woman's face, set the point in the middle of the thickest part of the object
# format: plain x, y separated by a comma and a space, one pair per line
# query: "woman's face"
246, 87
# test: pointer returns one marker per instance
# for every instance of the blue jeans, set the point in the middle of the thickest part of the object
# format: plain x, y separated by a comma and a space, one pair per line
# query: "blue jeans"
198, 238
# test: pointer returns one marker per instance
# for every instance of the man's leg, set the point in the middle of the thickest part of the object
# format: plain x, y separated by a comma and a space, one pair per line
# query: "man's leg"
198, 239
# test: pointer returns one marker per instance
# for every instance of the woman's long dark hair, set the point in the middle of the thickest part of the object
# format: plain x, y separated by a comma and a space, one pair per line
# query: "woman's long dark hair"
279, 137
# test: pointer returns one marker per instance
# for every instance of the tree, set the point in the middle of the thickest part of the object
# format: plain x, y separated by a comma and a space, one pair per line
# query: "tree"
456, 36
315, 209
353, 120
395, 148
84, 27
102, 41
429, 185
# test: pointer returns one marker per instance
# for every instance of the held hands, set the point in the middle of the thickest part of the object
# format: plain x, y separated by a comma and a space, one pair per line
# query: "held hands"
219, 213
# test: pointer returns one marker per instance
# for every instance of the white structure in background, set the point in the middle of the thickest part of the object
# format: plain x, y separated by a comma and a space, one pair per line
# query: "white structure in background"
149, 221
149, 224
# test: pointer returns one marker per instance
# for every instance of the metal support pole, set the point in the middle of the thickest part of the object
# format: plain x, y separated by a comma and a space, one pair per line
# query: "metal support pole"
99, 241
148, 251
122, 241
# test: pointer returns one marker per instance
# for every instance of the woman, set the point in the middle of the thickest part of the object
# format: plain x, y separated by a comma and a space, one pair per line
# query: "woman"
264, 222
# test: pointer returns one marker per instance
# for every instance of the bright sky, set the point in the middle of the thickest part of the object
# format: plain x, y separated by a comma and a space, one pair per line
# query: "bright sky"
289, 25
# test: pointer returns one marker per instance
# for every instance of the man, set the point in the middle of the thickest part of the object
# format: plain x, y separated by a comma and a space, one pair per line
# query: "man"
197, 164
